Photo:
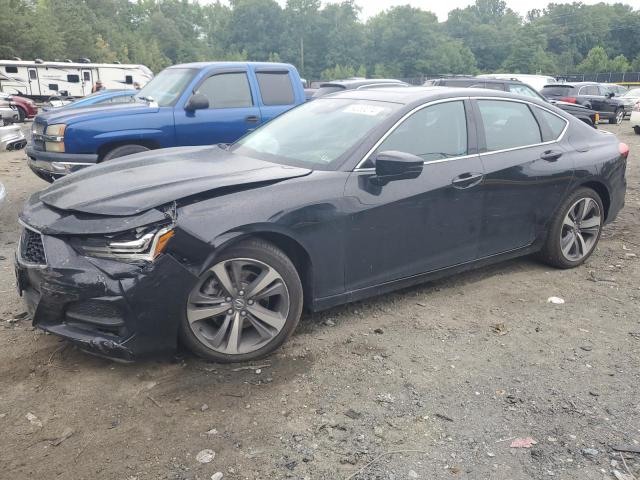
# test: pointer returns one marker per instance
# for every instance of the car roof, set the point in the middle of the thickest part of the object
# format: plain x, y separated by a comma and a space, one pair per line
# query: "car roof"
419, 95
355, 83
570, 84
482, 79
203, 65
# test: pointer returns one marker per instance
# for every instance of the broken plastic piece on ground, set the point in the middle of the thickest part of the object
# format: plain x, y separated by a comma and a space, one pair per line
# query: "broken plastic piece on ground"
555, 300
523, 443
205, 456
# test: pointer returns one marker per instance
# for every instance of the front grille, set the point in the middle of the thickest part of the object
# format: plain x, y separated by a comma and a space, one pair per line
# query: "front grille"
31, 247
97, 312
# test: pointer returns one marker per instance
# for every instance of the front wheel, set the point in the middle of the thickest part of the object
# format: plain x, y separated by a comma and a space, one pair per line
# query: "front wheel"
575, 230
245, 306
123, 151
618, 117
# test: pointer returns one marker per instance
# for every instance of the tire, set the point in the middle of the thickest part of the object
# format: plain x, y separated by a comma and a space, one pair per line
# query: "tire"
124, 150
618, 117
22, 114
239, 313
577, 252
637, 129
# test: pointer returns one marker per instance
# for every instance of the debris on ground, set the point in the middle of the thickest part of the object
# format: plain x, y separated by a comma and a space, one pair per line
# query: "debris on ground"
555, 300
527, 442
217, 476
499, 329
205, 456
626, 448
590, 452
66, 433
33, 420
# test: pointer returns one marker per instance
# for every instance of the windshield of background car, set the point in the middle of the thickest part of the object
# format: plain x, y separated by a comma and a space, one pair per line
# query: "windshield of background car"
560, 90
317, 133
167, 86
632, 93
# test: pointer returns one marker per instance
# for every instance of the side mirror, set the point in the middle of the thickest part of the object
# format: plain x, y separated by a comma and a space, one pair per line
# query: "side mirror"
393, 165
611, 94
197, 101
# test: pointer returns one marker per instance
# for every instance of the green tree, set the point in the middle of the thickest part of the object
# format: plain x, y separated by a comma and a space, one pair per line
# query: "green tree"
619, 64
596, 61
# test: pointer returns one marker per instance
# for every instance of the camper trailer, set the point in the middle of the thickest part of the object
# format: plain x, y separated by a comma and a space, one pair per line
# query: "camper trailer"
40, 80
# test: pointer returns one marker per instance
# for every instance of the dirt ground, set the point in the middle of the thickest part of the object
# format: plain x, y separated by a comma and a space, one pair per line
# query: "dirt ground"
431, 382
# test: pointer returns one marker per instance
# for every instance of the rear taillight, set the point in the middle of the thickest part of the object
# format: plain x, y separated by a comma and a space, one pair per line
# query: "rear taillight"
568, 99
636, 107
623, 148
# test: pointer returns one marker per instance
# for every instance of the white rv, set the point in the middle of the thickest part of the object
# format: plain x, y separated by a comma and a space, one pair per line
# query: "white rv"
40, 80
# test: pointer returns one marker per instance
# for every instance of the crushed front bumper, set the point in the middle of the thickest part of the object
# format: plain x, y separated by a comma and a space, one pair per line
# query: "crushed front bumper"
113, 309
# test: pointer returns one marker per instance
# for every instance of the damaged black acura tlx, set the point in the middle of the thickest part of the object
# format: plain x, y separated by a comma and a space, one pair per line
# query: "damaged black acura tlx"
342, 198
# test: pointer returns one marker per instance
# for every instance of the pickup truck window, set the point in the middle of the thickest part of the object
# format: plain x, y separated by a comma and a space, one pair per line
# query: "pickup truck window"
167, 86
275, 88
227, 90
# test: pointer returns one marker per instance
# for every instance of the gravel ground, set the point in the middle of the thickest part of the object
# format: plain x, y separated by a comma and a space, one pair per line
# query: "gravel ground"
431, 382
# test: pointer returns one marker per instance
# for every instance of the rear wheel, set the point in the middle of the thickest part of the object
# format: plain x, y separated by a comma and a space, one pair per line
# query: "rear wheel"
637, 130
618, 117
22, 113
575, 230
123, 151
245, 306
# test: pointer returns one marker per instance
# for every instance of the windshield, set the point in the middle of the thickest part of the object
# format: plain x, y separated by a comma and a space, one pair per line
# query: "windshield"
165, 88
557, 90
633, 93
316, 133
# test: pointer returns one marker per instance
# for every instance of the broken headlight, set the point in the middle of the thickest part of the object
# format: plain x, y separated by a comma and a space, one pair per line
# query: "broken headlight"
143, 243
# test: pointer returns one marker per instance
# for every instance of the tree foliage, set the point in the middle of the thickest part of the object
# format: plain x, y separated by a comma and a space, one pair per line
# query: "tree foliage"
326, 40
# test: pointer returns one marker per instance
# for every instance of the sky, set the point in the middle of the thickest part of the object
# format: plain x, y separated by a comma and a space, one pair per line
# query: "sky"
442, 7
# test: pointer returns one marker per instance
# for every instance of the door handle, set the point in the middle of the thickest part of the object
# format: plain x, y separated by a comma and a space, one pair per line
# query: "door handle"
551, 155
252, 119
467, 180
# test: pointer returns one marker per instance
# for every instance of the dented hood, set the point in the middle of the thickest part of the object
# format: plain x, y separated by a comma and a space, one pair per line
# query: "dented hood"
134, 184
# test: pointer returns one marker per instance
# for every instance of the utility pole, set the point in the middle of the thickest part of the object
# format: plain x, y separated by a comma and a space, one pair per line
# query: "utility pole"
302, 54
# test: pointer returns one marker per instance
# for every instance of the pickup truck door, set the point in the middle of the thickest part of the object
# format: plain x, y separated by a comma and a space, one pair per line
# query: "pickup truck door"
277, 93
233, 110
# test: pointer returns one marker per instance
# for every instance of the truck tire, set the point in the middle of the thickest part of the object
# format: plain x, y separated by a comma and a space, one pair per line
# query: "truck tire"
124, 150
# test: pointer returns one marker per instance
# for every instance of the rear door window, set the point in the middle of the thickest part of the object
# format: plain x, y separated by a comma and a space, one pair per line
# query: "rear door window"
227, 90
433, 133
555, 125
275, 88
508, 124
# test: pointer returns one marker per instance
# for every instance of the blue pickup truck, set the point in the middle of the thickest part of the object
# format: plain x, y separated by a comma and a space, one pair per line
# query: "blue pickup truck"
190, 104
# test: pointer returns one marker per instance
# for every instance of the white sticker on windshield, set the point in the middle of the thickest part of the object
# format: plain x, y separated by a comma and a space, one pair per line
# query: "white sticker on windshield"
370, 110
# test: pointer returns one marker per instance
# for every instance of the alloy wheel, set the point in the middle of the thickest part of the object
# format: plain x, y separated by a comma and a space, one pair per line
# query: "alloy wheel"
580, 229
238, 306
619, 116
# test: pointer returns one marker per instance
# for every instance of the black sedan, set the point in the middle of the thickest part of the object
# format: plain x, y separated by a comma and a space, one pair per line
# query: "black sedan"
591, 95
343, 198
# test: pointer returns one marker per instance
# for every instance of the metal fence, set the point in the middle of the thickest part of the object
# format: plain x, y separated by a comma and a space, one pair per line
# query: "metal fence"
629, 78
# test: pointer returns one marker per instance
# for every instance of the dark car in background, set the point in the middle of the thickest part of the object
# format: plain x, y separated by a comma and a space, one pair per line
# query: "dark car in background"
326, 88
589, 94
588, 116
348, 196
